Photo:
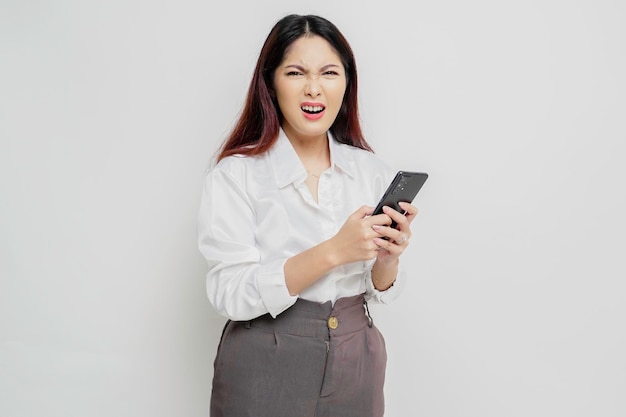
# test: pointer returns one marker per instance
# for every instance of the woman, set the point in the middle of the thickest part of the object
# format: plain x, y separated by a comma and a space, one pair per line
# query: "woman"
293, 251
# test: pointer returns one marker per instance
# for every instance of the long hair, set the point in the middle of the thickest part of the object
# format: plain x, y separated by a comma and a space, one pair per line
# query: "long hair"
258, 126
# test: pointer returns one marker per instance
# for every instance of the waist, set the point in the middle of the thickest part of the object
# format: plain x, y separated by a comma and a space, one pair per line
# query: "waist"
313, 319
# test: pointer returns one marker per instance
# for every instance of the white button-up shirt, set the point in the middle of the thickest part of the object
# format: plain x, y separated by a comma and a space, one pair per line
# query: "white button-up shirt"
256, 212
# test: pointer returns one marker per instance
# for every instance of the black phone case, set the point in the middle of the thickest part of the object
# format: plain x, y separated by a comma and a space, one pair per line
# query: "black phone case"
404, 187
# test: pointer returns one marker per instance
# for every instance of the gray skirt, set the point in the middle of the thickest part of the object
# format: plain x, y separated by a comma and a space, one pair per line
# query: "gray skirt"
313, 360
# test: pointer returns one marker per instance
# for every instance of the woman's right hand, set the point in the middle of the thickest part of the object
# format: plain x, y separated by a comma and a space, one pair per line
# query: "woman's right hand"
355, 240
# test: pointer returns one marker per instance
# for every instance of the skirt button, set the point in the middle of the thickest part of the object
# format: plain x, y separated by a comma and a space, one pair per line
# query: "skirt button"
333, 323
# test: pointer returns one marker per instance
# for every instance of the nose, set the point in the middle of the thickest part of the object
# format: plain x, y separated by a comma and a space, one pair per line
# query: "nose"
312, 87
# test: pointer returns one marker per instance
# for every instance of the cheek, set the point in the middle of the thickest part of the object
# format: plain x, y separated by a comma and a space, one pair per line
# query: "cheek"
337, 94
281, 91
284, 100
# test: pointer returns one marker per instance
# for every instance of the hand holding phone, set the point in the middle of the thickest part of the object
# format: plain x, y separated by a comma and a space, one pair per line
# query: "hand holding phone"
403, 188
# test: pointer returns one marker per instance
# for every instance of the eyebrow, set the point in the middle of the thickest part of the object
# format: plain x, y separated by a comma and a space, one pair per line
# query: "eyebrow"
301, 68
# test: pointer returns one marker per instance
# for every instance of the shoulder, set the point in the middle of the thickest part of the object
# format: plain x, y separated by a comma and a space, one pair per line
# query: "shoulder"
364, 160
235, 166
232, 164
357, 153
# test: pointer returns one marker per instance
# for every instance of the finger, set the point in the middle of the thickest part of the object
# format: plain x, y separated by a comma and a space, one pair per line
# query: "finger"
410, 209
383, 231
401, 239
379, 219
396, 235
398, 217
389, 245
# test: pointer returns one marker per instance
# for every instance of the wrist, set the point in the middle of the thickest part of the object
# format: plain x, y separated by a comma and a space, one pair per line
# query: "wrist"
384, 274
382, 283
330, 256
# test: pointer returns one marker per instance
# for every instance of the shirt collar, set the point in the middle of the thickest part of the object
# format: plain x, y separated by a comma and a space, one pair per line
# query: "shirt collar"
339, 156
288, 168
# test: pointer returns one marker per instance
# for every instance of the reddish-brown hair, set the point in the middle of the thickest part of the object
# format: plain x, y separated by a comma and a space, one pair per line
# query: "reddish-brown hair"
258, 125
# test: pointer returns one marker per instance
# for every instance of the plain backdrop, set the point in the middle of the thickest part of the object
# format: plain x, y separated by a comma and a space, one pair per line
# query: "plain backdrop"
110, 112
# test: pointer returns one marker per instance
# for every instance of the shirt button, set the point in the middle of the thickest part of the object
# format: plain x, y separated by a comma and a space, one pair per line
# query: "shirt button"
333, 323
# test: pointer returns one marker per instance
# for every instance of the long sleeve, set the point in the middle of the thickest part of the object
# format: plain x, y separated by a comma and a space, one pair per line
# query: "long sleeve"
390, 294
240, 284
256, 212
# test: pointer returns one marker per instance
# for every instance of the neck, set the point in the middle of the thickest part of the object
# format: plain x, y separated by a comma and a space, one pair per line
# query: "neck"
313, 151
309, 146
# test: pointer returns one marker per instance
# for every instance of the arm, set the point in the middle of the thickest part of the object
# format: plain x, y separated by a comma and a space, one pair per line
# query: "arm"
385, 269
353, 242
239, 286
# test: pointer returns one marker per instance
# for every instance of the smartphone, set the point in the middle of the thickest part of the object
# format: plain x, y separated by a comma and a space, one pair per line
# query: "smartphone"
404, 187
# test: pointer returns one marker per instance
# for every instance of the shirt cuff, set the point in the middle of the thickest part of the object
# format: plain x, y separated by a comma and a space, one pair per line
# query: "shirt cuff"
272, 288
390, 294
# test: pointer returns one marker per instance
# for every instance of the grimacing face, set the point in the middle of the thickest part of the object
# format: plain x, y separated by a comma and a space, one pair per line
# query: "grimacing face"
309, 85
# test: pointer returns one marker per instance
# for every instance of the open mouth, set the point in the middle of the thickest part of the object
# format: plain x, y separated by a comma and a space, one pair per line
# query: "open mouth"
312, 109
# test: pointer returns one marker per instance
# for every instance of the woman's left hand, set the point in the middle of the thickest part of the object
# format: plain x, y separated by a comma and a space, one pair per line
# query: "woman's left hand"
398, 238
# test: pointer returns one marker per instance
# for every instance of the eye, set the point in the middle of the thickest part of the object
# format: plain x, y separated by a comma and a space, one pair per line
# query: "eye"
330, 74
294, 74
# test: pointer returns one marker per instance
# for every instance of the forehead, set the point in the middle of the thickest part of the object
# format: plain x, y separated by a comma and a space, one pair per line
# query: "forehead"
311, 51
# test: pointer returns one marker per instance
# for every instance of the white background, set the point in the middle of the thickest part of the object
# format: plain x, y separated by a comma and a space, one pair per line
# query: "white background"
111, 111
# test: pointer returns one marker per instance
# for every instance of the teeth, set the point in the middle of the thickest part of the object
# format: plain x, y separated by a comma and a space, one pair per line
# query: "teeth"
312, 109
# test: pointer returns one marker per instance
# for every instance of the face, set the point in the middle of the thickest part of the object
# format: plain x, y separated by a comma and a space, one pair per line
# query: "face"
309, 84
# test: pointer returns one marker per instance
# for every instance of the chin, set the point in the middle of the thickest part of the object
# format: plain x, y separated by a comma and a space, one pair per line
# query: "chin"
310, 131
314, 132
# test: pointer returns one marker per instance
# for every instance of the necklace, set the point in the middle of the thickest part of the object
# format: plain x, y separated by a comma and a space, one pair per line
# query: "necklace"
310, 173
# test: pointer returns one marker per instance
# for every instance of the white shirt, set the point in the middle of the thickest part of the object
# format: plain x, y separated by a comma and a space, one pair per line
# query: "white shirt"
256, 212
